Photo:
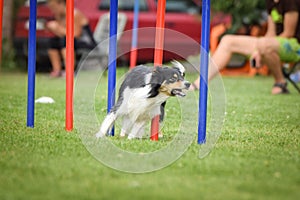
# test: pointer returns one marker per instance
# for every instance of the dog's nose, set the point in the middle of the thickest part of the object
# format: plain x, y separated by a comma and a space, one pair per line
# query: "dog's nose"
187, 84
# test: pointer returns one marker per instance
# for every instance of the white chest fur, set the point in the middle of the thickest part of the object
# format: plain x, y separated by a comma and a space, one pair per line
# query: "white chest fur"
138, 106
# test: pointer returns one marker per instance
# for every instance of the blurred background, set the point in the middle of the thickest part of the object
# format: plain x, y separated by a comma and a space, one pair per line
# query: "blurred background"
236, 16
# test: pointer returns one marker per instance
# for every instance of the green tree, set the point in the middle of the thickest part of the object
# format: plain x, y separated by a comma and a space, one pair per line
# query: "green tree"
242, 11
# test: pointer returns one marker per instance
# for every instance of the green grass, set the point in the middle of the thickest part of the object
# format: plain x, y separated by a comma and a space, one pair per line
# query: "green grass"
256, 157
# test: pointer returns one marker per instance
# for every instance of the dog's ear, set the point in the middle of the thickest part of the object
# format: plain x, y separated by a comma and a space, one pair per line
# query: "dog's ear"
156, 69
177, 65
156, 81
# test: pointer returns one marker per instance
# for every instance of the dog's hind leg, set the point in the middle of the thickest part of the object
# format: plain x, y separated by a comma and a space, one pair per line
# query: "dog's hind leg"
161, 118
162, 112
107, 124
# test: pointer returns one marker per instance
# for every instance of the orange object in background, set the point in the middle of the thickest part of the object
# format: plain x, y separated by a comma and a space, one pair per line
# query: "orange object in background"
215, 34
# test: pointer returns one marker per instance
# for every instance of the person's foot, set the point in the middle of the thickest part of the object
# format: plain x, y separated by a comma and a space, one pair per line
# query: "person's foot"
55, 74
280, 88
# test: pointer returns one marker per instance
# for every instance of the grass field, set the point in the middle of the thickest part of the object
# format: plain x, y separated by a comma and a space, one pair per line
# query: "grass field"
256, 157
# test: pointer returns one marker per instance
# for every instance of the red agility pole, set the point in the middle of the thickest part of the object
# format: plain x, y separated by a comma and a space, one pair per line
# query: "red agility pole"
69, 63
1, 19
158, 54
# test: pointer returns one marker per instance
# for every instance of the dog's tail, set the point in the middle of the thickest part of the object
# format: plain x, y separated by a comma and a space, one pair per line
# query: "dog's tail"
107, 124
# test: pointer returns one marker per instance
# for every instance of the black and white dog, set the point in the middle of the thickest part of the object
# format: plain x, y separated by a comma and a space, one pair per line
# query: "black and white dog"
142, 96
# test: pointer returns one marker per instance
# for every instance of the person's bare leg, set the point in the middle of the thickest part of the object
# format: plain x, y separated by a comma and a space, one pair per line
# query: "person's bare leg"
63, 53
229, 44
265, 48
269, 48
274, 63
55, 60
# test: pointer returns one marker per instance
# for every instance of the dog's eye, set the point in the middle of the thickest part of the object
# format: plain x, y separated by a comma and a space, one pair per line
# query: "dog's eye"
174, 78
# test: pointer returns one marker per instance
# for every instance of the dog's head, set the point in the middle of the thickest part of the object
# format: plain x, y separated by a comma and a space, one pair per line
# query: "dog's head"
169, 81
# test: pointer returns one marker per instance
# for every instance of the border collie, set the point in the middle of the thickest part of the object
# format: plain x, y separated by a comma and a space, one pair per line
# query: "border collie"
142, 96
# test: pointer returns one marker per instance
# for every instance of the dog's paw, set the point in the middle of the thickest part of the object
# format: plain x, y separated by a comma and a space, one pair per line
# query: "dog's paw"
131, 136
123, 133
160, 135
100, 134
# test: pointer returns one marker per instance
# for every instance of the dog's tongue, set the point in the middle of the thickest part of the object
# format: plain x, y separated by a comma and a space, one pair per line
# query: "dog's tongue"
178, 92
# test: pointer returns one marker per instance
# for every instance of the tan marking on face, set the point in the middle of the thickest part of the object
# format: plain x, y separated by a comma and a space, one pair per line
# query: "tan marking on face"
167, 88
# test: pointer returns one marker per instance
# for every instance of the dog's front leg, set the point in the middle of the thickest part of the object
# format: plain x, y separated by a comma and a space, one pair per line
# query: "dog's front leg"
126, 125
135, 130
141, 132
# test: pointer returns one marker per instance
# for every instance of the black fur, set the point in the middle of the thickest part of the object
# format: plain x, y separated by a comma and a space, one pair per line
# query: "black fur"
150, 87
135, 78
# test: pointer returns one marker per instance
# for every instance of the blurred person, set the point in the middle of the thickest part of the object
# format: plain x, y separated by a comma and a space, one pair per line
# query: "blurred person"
57, 46
281, 43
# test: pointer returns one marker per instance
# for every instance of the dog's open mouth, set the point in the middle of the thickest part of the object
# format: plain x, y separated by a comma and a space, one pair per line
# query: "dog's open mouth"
178, 92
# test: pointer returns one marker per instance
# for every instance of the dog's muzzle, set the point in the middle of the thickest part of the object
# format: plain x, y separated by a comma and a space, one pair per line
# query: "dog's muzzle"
179, 92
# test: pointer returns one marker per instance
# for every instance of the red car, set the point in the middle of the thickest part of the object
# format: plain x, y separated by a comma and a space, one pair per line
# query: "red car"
182, 17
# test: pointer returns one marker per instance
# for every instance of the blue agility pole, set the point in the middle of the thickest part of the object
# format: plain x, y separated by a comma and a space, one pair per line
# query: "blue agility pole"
133, 52
112, 55
31, 63
204, 62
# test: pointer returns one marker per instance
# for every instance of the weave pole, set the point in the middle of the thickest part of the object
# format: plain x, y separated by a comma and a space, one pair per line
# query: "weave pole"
133, 51
204, 62
69, 63
1, 24
112, 56
31, 63
158, 55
